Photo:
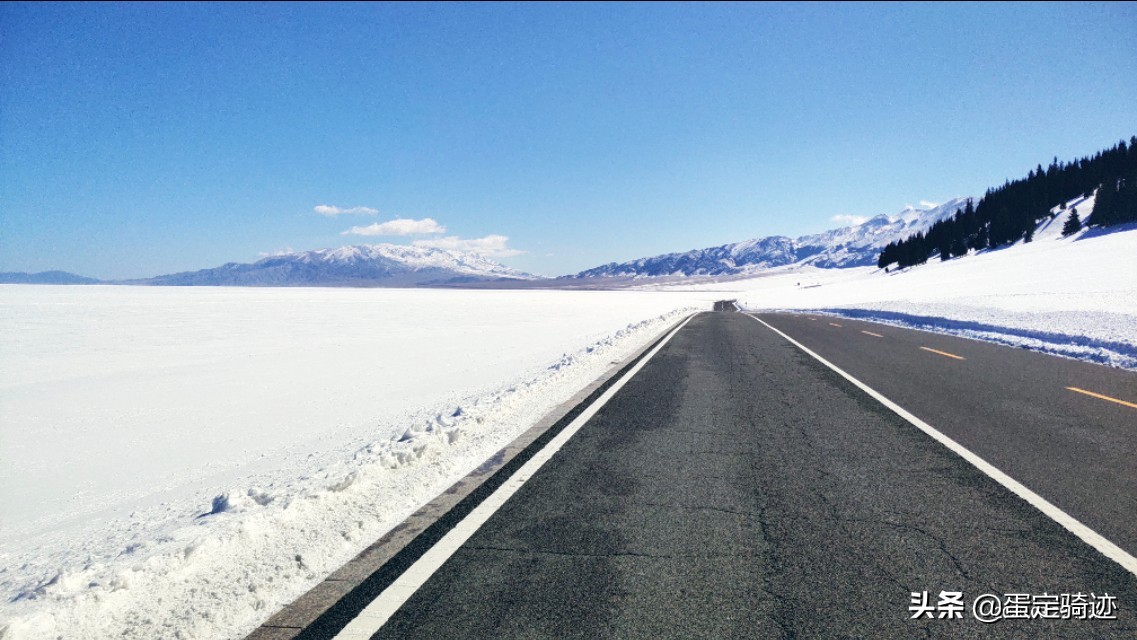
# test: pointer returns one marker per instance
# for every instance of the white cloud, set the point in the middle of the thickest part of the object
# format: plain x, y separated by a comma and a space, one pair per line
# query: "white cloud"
928, 204
398, 227
279, 252
332, 211
493, 246
849, 219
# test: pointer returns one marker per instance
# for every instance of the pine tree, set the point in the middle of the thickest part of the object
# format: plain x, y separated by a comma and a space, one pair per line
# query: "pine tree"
945, 251
887, 256
1127, 197
958, 247
978, 242
1073, 224
1104, 213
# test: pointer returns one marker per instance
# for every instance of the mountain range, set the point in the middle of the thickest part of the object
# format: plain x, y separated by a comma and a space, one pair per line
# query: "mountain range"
853, 246
388, 265
44, 277
384, 265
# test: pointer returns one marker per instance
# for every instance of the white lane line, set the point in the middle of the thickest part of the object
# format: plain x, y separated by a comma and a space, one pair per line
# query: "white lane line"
1088, 535
376, 614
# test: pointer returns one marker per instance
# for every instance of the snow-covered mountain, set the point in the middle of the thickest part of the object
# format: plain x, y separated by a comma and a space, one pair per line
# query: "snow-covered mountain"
854, 246
384, 265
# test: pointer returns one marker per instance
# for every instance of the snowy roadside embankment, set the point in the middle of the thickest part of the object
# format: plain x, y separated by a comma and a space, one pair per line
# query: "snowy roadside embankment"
1103, 337
184, 462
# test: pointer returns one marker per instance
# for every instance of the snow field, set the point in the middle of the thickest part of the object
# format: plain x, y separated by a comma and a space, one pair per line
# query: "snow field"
184, 462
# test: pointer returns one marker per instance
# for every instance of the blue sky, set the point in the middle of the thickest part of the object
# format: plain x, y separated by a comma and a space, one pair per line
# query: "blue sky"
140, 139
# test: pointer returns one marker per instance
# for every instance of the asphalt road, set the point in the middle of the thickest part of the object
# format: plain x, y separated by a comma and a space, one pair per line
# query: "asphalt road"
1012, 407
738, 488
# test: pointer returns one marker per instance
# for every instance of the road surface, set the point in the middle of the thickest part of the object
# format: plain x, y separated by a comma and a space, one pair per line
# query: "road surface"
736, 487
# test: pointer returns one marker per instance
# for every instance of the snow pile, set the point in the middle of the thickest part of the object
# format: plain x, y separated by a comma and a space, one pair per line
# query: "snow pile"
184, 462
1107, 337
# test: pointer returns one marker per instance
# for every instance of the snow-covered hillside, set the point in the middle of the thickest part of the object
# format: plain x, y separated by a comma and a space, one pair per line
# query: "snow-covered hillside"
385, 265
1072, 296
860, 245
853, 246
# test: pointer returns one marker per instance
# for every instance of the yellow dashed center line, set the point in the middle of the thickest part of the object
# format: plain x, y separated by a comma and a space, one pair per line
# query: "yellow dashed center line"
1101, 397
944, 353
870, 333
834, 324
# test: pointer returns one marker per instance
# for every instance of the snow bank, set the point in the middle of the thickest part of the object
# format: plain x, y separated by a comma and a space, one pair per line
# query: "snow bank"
180, 463
1056, 333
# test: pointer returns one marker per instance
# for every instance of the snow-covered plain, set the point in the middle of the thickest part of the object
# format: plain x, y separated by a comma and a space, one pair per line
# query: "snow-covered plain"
304, 422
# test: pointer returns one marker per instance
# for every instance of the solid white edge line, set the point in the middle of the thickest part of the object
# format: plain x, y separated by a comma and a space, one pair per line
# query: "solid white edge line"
376, 614
1086, 534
